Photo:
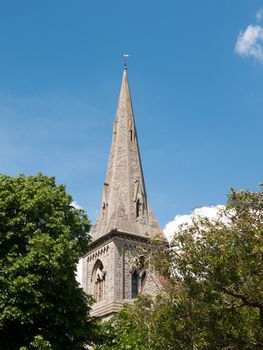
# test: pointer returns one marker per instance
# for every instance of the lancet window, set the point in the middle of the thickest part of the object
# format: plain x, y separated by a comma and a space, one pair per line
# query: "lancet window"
138, 208
135, 284
138, 277
143, 278
99, 275
139, 199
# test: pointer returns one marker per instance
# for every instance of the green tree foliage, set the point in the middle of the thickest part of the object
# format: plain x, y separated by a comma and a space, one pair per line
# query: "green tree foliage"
42, 237
121, 332
215, 296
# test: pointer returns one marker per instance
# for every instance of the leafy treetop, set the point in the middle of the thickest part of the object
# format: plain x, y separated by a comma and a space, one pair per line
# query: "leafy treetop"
42, 237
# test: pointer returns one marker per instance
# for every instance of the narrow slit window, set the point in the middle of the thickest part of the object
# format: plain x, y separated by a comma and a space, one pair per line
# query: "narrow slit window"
135, 284
138, 208
143, 279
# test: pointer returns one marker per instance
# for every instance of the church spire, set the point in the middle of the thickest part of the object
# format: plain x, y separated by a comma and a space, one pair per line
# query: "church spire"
124, 205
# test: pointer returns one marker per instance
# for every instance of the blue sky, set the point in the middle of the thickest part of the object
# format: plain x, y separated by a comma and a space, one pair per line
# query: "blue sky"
195, 73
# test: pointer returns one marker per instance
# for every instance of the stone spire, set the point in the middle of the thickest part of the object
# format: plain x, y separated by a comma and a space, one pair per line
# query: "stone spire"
124, 206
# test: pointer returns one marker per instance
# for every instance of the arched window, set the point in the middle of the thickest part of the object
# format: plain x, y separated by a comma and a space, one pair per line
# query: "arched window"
141, 264
138, 276
135, 284
99, 281
143, 278
138, 208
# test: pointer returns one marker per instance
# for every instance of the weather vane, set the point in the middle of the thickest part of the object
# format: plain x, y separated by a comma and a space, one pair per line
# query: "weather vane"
125, 56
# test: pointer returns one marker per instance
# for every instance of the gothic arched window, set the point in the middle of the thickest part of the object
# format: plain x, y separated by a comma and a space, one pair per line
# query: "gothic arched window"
138, 277
138, 208
143, 278
141, 264
99, 281
135, 284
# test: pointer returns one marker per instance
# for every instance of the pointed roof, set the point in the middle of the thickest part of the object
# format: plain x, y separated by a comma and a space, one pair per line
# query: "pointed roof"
124, 206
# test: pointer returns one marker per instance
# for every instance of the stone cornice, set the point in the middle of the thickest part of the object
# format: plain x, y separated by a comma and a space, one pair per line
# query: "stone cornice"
122, 235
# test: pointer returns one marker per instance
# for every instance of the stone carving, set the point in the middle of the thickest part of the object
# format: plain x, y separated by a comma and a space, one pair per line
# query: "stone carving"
98, 253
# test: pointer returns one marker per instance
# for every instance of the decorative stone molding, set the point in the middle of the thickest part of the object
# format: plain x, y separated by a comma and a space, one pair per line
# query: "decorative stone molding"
98, 253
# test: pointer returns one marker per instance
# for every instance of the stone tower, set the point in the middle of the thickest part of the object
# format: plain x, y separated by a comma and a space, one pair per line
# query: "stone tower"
125, 224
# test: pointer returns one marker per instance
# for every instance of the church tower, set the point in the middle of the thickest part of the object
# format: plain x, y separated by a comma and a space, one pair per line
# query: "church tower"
125, 224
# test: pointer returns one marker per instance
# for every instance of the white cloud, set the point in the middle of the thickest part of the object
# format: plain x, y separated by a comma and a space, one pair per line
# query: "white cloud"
250, 43
259, 15
79, 266
79, 272
209, 212
76, 205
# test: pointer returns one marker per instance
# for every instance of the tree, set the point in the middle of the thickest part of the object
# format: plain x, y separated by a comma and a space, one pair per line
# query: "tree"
220, 263
42, 237
215, 296
124, 331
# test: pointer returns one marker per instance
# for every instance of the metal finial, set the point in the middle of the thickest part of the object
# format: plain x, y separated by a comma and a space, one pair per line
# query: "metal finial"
125, 57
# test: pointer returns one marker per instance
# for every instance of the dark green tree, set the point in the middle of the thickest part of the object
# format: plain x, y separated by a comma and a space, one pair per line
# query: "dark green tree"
214, 298
42, 237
